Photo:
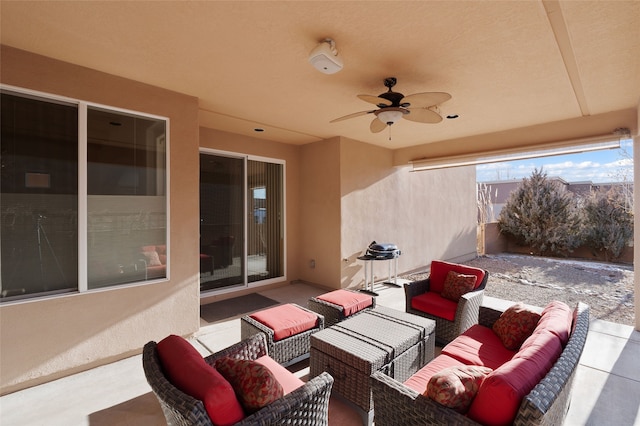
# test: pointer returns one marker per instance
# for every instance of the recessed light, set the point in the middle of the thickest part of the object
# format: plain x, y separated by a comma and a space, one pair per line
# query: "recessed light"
452, 116
258, 129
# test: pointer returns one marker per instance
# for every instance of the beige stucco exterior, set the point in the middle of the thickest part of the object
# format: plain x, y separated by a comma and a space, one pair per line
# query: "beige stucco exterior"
340, 195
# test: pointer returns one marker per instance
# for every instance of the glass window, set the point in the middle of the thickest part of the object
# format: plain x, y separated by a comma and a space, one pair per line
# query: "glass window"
42, 242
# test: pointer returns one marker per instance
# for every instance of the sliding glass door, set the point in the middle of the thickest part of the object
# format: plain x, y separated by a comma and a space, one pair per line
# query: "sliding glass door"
241, 221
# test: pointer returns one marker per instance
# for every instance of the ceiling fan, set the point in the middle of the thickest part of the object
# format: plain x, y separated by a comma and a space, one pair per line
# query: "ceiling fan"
393, 106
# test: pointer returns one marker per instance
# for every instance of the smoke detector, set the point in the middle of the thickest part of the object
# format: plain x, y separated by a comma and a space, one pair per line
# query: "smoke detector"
324, 57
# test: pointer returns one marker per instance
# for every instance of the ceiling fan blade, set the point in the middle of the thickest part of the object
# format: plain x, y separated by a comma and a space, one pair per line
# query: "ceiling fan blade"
426, 99
377, 126
355, 114
376, 100
423, 115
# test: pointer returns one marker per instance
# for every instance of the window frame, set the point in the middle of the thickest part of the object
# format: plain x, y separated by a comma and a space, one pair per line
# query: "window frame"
83, 196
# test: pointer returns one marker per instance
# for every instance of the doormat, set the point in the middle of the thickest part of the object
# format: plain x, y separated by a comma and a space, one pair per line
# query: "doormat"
238, 306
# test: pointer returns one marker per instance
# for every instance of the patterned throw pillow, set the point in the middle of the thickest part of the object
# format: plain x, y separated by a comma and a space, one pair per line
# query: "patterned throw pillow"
515, 325
254, 384
455, 387
455, 285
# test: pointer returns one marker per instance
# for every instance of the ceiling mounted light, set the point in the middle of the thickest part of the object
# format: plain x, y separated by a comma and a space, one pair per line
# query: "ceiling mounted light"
324, 57
389, 115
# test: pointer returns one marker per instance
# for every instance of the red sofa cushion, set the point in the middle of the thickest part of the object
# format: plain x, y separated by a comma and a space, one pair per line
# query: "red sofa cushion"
455, 387
479, 345
502, 391
254, 384
440, 269
434, 304
419, 381
286, 320
350, 301
515, 325
556, 318
188, 371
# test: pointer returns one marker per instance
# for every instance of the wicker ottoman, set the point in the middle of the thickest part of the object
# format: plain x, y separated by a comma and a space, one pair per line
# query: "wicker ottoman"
294, 322
338, 305
380, 339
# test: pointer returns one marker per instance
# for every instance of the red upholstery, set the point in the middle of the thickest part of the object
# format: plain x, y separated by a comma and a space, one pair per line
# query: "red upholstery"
288, 381
440, 269
350, 301
188, 371
419, 381
557, 318
435, 304
501, 393
479, 345
286, 320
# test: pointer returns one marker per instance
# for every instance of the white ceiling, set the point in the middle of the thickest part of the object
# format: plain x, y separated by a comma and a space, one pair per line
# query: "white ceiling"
507, 64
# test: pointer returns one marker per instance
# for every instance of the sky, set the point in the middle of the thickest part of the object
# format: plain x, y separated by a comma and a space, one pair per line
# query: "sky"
612, 165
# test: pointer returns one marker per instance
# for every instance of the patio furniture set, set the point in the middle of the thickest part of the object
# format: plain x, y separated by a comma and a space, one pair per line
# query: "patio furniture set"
381, 361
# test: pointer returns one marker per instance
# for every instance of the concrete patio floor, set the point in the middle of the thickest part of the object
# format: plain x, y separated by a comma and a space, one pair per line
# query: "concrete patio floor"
606, 389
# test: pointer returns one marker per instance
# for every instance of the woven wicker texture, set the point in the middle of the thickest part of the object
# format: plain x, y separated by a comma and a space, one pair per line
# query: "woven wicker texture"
466, 312
283, 351
307, 405
380, 339
333, 313
546, 404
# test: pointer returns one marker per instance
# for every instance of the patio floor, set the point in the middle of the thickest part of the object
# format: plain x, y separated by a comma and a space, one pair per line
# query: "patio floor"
606, 388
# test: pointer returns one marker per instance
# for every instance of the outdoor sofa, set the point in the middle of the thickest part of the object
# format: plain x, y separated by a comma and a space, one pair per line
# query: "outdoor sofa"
527, 386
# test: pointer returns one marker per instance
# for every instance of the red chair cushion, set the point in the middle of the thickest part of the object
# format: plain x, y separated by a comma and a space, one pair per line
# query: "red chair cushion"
436, 305
455, 285
287, 380
255, 384
350, 301
557, 318
286, 320
479, 345
188, 371
440, 269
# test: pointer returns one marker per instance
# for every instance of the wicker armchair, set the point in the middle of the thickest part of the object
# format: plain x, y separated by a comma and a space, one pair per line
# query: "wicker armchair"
546, 404
286, 351
466, 312
307, 405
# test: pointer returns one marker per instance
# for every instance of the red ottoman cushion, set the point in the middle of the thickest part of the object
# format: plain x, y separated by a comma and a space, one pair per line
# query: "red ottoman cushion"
350, 301
286, 320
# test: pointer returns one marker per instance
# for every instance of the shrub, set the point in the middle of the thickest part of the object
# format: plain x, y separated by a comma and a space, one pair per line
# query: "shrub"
542, 215
607, 224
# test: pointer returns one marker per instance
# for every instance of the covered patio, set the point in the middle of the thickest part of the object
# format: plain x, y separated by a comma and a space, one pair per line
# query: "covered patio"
118, 394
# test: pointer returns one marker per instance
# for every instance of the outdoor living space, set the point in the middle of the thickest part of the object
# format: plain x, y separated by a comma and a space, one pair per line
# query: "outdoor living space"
118, 394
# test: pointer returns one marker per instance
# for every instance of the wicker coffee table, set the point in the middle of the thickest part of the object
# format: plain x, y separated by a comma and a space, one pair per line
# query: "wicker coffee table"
381, 339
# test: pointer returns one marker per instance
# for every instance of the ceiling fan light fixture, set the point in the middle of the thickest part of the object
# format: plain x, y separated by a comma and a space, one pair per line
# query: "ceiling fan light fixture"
389, 115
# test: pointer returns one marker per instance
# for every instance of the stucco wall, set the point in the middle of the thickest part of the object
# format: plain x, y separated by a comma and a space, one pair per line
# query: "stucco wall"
320, 213
47, 338
429, 215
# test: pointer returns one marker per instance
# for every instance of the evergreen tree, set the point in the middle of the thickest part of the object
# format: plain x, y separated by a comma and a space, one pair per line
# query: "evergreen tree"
542, 215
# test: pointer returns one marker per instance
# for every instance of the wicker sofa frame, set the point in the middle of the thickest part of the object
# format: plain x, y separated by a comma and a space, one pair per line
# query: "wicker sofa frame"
466, 313
307, 405
546, 404
333, 313
285, 351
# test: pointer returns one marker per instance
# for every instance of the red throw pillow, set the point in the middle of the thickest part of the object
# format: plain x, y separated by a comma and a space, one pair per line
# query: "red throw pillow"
455, 387
515, 325
255, 385
188, 371
455, 285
